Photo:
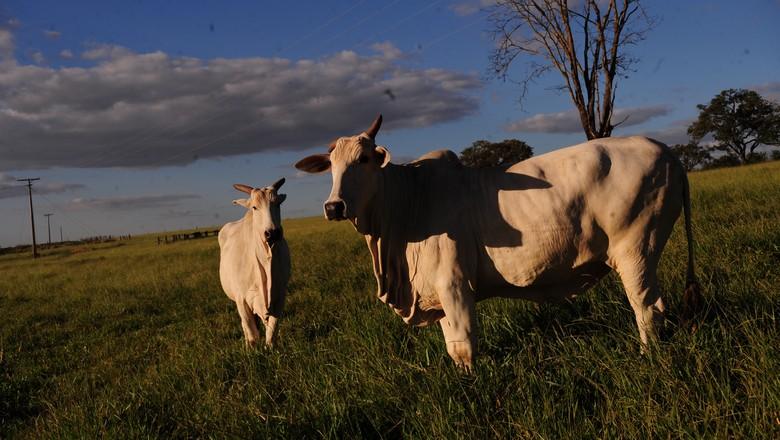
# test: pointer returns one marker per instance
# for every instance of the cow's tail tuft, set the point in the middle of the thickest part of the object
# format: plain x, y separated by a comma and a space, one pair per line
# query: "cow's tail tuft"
692, 301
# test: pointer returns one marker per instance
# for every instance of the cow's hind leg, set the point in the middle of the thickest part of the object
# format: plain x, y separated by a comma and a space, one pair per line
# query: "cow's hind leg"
248, 323
641, 285
459, 326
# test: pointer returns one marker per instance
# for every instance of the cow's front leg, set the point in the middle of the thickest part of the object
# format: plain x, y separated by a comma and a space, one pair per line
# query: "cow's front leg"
459, 326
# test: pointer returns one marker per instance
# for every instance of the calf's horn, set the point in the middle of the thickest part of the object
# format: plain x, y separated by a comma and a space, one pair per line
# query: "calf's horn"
278, 184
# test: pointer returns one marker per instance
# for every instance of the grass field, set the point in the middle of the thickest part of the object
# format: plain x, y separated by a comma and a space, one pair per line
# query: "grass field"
136, 340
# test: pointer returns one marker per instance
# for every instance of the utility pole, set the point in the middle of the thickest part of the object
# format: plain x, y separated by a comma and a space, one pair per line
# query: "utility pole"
48, 225
60, 234
32, 215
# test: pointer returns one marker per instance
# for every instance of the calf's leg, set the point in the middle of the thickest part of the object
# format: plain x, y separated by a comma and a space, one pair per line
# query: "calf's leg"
270, 331
248, 323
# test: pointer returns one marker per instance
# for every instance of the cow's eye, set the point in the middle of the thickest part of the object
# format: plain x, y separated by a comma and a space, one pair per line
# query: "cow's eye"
255, 208
363, 158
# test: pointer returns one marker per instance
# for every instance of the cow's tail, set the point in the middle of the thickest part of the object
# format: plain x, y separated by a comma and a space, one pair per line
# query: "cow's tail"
692, 298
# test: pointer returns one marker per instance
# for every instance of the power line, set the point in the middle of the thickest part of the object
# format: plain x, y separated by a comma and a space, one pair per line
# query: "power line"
356, 25
150, 133
397, 23
441, 38
32, 214
171, 129
321, 27
87, 230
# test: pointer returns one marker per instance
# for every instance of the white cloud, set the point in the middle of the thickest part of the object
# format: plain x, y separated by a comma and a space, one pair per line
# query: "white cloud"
52, 35
770, 90
153, 109
130, 202
105, 52
6, 44
569, 121
470, 7
387, 49
38, 57
66, 54
9, 187
674, 133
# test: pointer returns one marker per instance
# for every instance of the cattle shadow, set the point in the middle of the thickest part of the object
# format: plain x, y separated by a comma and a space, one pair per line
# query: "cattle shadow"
437, 197
431, 197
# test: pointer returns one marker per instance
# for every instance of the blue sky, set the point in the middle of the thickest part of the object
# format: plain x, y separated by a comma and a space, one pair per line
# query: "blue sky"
139, 116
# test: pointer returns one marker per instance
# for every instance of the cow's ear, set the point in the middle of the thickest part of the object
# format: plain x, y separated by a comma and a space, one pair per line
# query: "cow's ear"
315, 163
242, 202
382, 155
280, 198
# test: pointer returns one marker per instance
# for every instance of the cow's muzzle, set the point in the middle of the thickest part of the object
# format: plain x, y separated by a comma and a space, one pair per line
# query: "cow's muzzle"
272, 236
335, 210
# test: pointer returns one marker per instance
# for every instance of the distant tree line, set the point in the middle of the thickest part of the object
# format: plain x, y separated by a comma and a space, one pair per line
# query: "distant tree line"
484, 153
734, 124
727, 132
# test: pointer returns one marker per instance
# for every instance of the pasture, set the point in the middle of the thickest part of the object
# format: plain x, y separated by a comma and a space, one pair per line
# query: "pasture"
136, 340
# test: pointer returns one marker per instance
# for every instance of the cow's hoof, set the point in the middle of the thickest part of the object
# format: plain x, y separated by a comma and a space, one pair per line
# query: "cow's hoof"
461, 352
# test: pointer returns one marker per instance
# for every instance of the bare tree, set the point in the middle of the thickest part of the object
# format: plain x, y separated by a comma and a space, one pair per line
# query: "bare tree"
584, 40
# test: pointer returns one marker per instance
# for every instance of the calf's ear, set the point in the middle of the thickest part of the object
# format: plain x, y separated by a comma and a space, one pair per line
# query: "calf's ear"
383, 155
242, 202
243, 188
278, 184
315, 163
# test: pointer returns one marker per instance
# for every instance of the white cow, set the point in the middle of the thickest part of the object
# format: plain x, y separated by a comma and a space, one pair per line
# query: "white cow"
443, 236
254, 264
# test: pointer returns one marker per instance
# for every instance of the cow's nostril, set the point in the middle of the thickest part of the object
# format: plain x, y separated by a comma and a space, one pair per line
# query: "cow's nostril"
335, 210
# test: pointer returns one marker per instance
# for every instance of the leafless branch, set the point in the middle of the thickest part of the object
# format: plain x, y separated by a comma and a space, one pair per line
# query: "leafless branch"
585, 41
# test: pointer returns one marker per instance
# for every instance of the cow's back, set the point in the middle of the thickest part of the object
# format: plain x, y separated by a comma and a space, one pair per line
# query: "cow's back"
543, 217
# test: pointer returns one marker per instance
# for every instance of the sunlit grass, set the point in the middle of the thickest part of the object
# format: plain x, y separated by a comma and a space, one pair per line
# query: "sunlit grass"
132, 339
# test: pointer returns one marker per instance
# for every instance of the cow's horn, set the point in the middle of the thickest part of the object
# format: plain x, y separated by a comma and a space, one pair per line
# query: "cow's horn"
278, 184
374, 129
243, 188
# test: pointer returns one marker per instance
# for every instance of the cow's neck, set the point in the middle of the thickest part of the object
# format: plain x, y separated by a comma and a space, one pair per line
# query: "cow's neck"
395, 206
389, 225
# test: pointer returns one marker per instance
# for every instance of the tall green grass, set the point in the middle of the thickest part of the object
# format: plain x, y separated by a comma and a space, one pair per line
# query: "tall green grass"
136, 340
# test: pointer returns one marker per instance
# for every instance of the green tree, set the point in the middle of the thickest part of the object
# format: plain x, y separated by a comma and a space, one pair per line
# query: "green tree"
739, 121
691, 155
483, 153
